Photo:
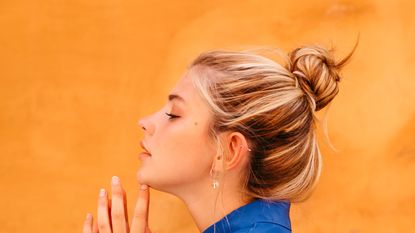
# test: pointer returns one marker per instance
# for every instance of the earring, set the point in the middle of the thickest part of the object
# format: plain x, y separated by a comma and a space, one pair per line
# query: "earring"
214, 174
215, 184
249, 149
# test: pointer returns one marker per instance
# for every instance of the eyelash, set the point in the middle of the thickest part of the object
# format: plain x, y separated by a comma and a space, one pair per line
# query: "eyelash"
171, 116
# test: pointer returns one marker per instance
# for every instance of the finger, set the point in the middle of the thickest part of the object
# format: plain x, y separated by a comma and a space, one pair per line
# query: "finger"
95, 227
88, 224
109, 208
103, 220
124, 195
119, 225
140, 216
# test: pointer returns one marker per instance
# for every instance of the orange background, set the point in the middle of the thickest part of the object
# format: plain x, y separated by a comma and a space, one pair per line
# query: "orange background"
77, 75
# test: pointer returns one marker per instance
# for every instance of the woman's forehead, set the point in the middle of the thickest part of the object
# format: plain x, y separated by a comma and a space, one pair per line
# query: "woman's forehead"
184, 90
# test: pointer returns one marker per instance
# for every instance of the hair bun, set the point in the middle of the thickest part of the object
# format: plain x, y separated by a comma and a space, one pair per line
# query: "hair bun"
317, 73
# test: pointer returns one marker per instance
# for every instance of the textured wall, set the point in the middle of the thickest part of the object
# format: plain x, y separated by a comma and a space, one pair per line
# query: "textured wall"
75, 76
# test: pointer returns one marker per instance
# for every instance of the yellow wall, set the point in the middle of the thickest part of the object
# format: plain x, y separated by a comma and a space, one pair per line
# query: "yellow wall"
75, 76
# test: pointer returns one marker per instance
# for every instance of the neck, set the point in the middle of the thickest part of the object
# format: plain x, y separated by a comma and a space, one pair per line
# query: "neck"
208, 205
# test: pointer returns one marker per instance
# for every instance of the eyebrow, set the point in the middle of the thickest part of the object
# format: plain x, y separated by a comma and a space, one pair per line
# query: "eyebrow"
174, 96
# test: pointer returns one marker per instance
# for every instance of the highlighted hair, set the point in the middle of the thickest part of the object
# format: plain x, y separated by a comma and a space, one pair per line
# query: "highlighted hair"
274, 107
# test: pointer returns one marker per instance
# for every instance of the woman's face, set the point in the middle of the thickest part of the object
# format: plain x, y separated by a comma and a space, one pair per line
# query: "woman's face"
181, 150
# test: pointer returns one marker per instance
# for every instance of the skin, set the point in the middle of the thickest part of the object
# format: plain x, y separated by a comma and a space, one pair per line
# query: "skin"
182, 156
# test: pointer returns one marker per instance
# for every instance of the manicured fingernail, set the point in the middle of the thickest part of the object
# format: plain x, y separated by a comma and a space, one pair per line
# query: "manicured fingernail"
88, 216
102, 192
143, 187
115, 180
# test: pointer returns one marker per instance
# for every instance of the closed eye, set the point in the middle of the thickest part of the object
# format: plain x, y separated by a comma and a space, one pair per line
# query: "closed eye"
171, 116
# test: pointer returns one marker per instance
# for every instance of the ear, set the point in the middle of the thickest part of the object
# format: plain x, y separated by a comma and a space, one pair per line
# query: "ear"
237, 147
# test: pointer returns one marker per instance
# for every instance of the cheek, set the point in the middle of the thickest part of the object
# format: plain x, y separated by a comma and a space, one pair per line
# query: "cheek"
188, 137
186, 145
182, 155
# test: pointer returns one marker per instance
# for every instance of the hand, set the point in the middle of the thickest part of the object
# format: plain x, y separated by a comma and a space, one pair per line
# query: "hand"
117, 208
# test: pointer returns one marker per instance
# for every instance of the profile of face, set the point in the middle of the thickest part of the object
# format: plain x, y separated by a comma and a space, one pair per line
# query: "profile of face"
177, 137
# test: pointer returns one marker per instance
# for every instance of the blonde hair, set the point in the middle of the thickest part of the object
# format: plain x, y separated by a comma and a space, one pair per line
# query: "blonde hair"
274, 107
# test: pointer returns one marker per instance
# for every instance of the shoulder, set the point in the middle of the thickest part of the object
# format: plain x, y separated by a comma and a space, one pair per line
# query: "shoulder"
259, 216
265, 227
269, 227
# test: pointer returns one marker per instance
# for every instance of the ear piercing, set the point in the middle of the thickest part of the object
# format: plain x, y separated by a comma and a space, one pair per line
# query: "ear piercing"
215, 174
249, 149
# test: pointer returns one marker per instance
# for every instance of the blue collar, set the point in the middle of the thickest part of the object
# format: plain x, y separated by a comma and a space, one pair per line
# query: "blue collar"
246, 216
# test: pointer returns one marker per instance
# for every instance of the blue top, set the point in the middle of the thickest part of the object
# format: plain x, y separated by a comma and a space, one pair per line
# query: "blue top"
259, 216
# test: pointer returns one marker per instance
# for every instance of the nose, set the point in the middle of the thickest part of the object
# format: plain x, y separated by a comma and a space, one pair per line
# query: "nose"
146, 125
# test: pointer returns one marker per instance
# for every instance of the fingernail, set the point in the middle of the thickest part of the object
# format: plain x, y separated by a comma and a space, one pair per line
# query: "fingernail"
102, 192
143, 187
115, 180
88, 216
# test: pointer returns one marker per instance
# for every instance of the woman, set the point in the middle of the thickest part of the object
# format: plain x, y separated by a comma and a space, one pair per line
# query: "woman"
235, 141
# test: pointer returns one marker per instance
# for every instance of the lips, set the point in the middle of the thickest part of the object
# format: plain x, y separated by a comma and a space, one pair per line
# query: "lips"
144, 147
146, 152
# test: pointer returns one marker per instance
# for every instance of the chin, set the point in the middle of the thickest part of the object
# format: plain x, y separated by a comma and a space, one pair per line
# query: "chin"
141, 176
154, 183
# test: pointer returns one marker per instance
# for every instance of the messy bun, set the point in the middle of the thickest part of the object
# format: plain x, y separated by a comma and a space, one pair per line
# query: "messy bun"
274, 106
317, 73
